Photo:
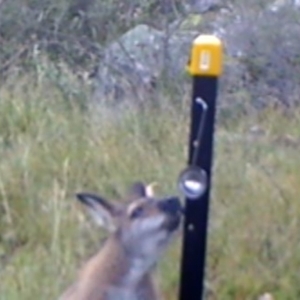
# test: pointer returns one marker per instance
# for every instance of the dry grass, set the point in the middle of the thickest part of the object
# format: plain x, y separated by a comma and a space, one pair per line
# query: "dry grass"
50, 148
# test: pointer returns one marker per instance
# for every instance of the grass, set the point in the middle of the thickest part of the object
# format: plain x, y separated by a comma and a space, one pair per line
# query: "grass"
51, 148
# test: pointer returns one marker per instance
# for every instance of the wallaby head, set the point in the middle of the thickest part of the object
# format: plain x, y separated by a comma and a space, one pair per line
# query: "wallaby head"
140, 227
143, 226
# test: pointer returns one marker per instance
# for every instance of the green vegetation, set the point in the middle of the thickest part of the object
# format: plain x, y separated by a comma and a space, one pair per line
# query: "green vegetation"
53, 143
52, 147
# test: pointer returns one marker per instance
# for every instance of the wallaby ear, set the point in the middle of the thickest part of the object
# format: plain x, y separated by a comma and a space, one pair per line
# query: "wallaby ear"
150, 189
137, 190
101, 210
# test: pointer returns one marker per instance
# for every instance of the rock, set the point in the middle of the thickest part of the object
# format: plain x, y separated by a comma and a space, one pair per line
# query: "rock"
129, 63
282, 4
261, 55
132, 64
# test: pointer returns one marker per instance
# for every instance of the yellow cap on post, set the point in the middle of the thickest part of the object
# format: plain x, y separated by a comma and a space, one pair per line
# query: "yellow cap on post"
206, 56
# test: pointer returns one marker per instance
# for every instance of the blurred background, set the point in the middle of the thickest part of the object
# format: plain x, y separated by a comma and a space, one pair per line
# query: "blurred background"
94, 95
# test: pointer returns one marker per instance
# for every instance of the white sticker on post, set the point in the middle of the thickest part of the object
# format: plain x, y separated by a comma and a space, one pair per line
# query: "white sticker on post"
204, 60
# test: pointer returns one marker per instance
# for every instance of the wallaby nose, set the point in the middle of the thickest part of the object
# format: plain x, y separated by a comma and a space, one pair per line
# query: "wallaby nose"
170, 205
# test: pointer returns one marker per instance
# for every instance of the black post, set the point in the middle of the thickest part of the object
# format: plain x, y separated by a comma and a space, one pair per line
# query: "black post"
203, 104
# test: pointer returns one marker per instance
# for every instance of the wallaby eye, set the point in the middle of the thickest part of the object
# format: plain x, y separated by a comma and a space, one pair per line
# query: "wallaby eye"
137, 212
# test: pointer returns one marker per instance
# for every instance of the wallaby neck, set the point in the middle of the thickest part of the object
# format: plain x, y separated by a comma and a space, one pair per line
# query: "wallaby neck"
121, 268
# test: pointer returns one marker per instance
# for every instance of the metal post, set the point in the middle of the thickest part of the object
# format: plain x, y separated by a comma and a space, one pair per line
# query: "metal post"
205, 66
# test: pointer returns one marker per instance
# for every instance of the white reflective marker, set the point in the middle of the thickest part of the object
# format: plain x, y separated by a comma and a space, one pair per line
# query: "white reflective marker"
193, 182
205, 59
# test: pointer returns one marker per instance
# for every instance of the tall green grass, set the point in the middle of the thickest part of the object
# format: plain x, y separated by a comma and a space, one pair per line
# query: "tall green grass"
52, 147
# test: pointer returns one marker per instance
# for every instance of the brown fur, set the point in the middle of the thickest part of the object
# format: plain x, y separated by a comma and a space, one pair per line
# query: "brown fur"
121, 270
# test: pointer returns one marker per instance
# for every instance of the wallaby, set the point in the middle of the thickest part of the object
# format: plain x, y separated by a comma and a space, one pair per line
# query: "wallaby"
139, 232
